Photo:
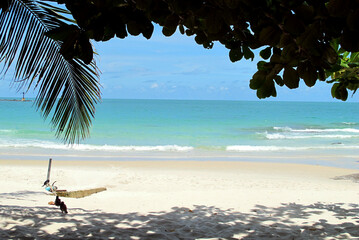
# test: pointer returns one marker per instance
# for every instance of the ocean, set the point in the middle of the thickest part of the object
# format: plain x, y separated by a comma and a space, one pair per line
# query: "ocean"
303, 132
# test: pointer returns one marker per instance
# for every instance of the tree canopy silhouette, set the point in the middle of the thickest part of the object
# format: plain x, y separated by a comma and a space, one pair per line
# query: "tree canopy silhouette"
310, 40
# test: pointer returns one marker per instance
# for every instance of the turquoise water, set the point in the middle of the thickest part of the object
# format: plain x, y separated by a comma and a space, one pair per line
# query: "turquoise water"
171, 126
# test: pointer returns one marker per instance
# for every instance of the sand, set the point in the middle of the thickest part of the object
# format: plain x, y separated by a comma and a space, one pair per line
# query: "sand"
180, 200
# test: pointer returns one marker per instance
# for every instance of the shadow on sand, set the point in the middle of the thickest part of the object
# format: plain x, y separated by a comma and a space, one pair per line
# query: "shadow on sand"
181, 223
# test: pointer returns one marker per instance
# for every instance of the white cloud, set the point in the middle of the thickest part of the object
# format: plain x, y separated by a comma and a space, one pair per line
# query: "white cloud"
223, 88
155, 85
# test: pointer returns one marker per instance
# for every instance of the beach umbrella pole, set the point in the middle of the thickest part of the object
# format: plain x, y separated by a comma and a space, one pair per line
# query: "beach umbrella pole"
48, 173
49, 169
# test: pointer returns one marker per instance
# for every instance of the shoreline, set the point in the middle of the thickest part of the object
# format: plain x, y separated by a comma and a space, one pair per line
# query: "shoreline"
192, 163
315, 158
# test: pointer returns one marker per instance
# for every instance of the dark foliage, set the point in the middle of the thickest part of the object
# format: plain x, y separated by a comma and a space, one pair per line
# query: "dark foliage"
299, 39
60, 67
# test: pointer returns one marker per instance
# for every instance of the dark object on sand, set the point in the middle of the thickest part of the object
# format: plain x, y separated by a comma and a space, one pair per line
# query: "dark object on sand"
353, 177
57, 201
63, 207
46, 183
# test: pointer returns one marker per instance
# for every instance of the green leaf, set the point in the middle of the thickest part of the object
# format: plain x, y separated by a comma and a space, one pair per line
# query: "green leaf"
266, 90
354, 57
84, 49
170, 25
330, 55
308, 73
200, 38
276, 59
335, 44
235, 54
339, 91
181, 29
247, 53
257, 80
120, 30
335, 68
147, 30
168, 31
291, 78
343, 93
334, 89
270, 35
133, 28
62, 32
309, 40
289, 53
266, 53
278, 79
321, 74
261, 65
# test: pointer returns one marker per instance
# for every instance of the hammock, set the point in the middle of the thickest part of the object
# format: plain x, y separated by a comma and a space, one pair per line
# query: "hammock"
65, 193
78, 193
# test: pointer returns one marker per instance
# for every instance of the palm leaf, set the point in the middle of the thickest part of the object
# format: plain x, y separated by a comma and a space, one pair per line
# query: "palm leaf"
67, 89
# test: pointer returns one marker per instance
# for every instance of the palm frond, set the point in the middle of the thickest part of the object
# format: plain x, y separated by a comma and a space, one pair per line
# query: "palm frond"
68, 89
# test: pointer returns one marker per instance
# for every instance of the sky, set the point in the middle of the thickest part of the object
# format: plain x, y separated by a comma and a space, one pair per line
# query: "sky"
177, 67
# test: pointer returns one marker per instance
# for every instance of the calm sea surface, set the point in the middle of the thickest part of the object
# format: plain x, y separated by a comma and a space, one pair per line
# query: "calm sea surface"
182, 128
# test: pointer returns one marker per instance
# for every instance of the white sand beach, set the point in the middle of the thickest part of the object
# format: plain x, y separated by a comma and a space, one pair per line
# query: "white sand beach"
180, 200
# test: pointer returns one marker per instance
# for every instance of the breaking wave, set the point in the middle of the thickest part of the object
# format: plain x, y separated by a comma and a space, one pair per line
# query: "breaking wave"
250, 148
89, 147
284, 136
316, 130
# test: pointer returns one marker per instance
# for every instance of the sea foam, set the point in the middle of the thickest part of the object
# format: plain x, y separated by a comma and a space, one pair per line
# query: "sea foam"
89, 147
273, 136
250, 148
317, 130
